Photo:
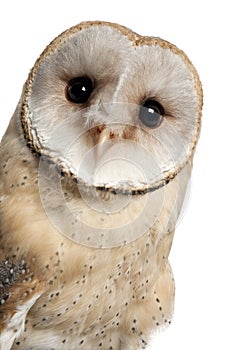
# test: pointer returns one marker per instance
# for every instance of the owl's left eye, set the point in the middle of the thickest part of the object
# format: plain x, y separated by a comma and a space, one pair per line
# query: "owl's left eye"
151, 113
79, 90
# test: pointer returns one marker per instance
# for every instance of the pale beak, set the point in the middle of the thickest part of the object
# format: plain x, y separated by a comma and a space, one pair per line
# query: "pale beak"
104, 135
101, 146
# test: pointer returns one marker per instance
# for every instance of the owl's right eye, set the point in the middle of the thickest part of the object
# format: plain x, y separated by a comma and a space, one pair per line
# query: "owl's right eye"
79, 90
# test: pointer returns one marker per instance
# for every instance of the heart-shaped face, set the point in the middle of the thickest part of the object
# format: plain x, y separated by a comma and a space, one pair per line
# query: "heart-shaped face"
112, 109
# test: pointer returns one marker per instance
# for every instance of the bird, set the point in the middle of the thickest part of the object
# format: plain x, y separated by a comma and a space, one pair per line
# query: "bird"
95, 166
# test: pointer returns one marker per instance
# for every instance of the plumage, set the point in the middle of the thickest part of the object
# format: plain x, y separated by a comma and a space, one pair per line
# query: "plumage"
94, 167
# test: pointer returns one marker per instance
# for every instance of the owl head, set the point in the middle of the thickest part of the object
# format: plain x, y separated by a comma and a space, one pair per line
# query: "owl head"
113, 111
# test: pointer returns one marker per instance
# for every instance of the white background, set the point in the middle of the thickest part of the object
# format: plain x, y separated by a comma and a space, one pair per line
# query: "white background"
200, 256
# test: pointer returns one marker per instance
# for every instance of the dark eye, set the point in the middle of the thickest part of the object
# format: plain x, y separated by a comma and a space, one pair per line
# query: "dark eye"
79, 89
151, 113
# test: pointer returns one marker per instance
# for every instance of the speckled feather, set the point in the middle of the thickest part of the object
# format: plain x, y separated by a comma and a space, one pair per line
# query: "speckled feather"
55, 293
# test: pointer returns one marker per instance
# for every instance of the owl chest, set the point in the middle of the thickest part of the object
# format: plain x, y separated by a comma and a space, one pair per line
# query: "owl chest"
100, 290
101, 305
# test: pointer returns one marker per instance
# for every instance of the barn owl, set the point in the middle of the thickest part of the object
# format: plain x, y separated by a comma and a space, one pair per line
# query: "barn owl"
94, 169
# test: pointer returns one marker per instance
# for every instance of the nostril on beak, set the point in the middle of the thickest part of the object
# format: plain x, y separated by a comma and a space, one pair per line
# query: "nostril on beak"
104, 135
